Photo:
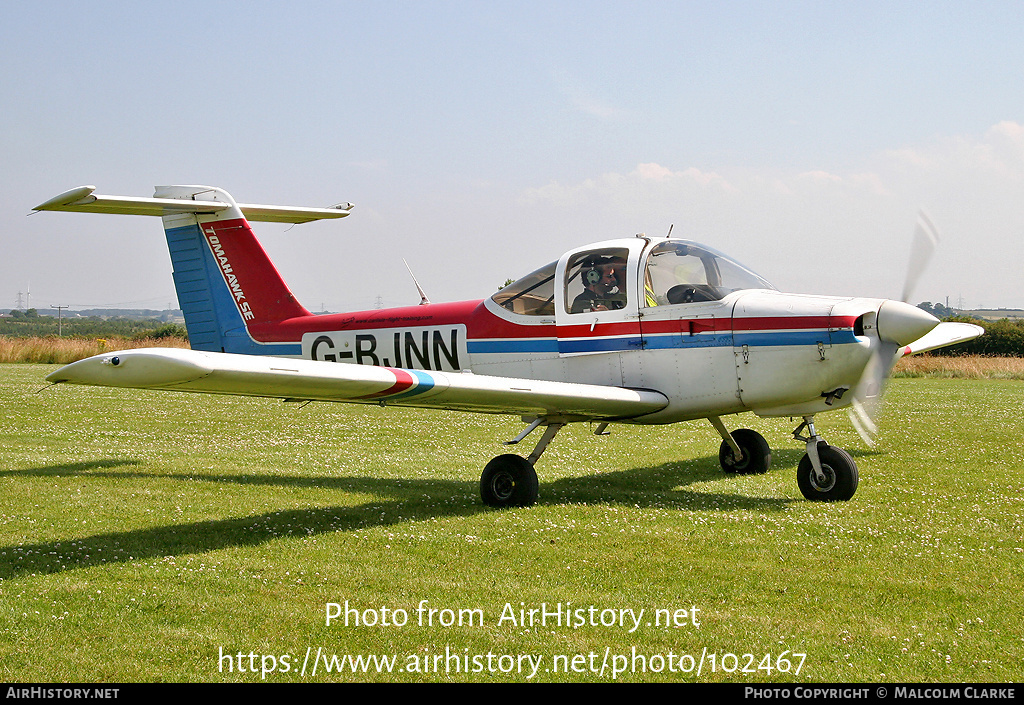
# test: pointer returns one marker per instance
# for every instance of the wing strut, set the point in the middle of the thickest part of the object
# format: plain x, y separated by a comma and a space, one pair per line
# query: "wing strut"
554, 424
549, 434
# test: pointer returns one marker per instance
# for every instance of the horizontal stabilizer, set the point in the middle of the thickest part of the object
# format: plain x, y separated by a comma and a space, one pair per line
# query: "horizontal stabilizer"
942, 335
294, 379
84, 200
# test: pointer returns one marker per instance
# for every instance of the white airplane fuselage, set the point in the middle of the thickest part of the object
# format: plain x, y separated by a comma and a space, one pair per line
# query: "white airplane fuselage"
764, 351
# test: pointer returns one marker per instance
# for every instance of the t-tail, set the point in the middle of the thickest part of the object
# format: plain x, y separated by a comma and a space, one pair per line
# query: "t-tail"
229, 291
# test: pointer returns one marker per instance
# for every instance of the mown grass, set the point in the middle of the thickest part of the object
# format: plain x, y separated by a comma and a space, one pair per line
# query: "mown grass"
143, 534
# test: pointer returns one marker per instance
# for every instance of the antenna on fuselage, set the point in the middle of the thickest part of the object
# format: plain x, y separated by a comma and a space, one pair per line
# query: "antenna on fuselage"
423, 297
669, 233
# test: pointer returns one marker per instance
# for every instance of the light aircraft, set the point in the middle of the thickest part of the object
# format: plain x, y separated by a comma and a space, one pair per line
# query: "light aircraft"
642, 330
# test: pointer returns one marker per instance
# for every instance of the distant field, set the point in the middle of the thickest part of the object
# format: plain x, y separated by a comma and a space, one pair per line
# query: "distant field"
960, 367
149, 536
60, 350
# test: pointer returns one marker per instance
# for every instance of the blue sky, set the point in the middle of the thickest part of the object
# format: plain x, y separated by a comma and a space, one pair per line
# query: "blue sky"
479, 140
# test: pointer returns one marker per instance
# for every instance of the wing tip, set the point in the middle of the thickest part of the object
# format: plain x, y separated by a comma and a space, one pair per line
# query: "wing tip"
66, 198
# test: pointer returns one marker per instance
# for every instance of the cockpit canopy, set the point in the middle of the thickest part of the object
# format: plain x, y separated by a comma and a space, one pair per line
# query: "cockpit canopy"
674, 272
678, 271
533, 295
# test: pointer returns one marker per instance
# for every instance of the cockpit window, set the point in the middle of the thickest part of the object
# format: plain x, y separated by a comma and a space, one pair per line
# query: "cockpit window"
533, 295
596, 280
680, 272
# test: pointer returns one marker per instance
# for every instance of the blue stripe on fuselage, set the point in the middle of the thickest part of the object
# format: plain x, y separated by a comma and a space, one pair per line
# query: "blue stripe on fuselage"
664, 341
533, 345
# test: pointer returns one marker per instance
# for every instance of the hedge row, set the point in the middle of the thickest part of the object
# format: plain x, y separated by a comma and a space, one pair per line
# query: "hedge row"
1003, 338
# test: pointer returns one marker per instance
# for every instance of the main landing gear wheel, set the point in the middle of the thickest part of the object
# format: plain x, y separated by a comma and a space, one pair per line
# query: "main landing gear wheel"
757, 456
509, 481
840, 471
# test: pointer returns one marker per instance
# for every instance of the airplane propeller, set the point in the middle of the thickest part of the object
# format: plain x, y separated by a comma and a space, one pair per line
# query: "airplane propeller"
897, 324
926, 240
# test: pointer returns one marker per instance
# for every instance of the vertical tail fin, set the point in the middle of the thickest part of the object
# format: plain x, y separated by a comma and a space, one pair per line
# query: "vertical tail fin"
228, 289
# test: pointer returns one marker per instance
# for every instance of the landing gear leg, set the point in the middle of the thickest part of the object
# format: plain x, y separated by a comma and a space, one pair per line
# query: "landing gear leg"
825, 473
510, 480
743, 451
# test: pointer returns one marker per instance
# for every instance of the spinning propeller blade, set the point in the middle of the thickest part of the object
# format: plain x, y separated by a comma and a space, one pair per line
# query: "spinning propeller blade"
897, 324
867, 400
926, 239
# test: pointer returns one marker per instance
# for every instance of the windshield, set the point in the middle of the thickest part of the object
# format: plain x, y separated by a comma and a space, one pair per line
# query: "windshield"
679, 272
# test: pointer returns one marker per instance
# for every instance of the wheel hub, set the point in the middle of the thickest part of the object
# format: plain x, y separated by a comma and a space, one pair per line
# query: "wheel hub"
829, 481
503, 485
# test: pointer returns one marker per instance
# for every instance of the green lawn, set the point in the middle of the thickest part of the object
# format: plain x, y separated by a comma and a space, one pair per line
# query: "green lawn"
150, 536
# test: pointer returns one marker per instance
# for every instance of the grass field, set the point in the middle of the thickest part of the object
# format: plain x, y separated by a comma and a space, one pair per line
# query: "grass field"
150, 536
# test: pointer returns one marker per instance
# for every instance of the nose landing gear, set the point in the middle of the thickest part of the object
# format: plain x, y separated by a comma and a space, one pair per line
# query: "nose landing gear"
825, 473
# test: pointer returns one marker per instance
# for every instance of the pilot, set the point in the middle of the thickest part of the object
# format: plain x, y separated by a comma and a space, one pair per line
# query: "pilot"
603, 279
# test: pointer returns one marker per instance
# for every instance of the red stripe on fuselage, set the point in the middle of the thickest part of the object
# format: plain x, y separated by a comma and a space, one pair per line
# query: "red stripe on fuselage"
481, 324
792, 322
725, 324
599, 329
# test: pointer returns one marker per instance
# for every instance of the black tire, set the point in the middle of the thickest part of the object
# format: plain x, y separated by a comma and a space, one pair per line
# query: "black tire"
840, 471
757, 456
509, 481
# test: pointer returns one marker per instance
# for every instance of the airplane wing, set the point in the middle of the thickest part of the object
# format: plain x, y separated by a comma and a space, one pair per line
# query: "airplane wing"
300, 380
942, 335
83, 200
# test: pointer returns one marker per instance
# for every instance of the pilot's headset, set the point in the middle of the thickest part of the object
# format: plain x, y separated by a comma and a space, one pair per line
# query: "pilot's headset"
590, 270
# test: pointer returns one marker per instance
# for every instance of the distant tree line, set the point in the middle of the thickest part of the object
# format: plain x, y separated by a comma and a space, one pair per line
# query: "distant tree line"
938, 310
1002, 338
25, 315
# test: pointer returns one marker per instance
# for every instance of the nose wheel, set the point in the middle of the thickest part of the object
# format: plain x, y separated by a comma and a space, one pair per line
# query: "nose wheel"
825, 473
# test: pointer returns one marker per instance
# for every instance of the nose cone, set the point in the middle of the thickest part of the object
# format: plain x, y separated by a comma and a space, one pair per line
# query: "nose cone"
902, 323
